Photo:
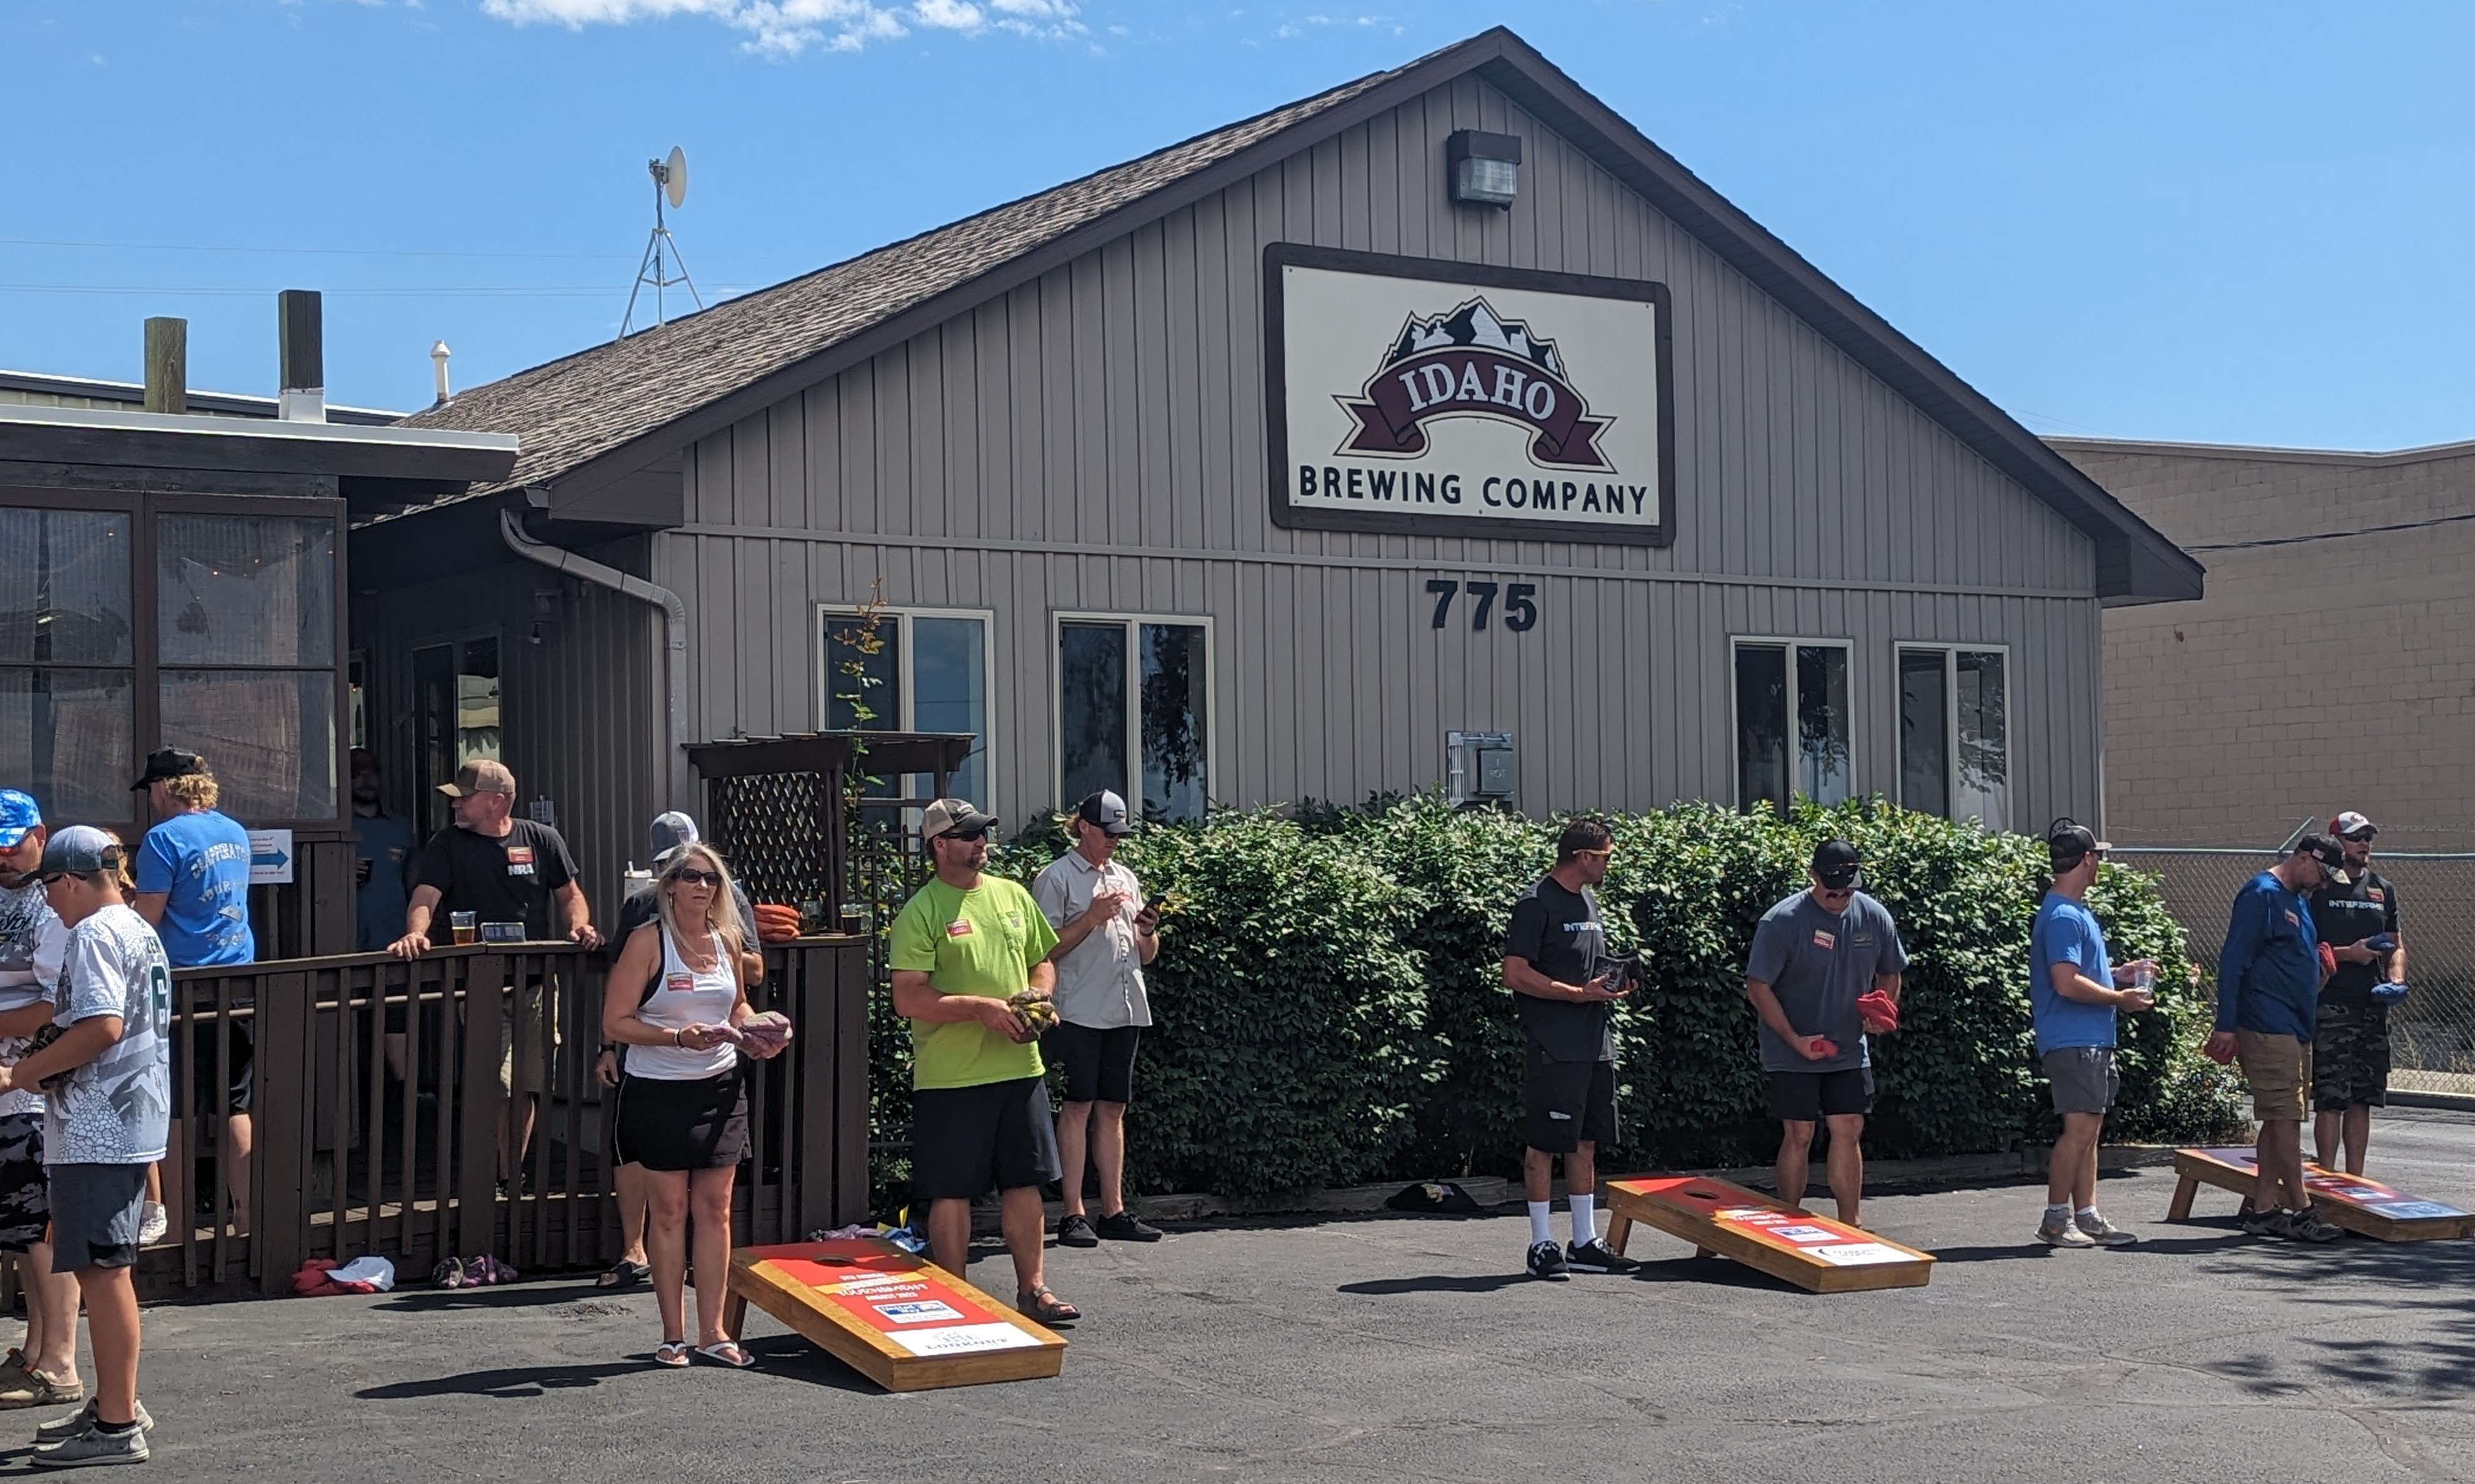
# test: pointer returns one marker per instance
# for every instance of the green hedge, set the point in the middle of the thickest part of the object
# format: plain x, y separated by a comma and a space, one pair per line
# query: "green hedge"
1329, 1008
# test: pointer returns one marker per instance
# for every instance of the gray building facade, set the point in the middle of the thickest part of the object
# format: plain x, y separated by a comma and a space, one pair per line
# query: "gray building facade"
1049, 475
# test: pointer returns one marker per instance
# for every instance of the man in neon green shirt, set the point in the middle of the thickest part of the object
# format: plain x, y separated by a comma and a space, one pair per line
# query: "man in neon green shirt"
960, 949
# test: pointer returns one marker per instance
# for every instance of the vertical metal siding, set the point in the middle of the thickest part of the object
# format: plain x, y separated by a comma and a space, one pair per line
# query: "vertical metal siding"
1010, 458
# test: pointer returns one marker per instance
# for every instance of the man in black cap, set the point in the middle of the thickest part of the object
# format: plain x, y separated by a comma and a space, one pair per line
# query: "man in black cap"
2356, 913
1815, 955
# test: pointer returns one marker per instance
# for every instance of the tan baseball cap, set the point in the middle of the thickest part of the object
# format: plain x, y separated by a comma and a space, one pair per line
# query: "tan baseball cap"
946, 815
481, 775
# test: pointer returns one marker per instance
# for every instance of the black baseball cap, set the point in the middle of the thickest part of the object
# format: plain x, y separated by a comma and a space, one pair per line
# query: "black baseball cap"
169, 763
1837, 863
2321, 848
2067, 841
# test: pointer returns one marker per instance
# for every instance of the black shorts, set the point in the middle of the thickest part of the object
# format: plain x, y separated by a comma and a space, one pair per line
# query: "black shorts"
95, 1212
25, 1190
1566, 1103
691, 1124
241, 1035
2350, 1057
1808, 1097
964, 1140
1099, 1064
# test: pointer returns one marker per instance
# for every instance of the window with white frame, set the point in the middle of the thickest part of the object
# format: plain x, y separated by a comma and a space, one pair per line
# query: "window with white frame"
910, 669
1792, 721
1133, 711
1955, 732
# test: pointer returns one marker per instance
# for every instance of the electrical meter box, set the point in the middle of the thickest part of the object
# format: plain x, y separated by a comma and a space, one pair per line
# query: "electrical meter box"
1481, 767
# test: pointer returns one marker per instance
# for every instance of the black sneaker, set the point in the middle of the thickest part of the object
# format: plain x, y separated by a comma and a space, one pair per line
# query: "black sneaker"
1124, 1226
1075, 1231
1547, 1262
1597, 1256
2273, 1222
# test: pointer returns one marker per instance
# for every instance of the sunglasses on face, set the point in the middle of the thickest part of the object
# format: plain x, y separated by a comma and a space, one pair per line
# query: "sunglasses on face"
966, 836
2360, 838
698, 878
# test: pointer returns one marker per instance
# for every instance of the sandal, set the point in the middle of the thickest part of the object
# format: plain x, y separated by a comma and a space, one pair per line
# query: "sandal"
1045, 1306
671, 1353
449, 1274
726, 1352
624, 1274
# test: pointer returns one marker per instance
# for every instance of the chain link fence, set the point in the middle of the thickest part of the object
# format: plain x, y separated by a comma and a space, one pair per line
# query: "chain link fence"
2431, 1034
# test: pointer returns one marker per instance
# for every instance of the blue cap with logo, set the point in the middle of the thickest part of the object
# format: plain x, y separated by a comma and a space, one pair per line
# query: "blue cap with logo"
18, 813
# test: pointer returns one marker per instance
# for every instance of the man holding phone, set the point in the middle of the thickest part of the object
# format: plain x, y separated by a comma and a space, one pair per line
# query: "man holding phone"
1824, 973
1556, 965
2073, 991
1106, 933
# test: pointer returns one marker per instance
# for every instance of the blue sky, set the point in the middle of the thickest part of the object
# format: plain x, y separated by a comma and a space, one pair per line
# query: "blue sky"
2213, 220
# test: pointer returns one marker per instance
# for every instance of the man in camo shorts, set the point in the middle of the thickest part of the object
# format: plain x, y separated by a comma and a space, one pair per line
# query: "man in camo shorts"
2356, 913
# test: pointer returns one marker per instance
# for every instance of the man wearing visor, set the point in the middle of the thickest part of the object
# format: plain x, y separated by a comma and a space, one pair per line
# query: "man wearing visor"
1815, 956
2356, 913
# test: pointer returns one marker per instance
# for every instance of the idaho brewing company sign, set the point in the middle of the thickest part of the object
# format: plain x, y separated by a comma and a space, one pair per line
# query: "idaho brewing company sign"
1410, 395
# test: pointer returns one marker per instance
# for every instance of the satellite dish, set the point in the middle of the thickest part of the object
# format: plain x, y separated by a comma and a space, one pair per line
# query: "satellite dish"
674, 178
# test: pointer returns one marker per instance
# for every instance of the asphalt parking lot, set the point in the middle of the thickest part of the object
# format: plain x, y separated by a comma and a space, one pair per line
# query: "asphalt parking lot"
1407, 1348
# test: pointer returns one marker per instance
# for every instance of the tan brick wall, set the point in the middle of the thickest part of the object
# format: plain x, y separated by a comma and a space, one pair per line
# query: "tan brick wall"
2335, 673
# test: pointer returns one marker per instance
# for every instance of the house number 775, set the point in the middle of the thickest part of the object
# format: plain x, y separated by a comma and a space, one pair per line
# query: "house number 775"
1520, 611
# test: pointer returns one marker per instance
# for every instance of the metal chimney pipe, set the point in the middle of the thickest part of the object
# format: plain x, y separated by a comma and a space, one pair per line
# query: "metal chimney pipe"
438, 354
299, 338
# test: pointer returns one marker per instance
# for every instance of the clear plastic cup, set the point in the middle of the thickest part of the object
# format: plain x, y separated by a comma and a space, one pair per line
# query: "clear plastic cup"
2144, 980
466, 926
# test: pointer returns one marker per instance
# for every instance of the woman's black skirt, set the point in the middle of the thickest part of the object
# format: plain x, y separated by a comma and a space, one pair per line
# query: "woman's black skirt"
699, 1124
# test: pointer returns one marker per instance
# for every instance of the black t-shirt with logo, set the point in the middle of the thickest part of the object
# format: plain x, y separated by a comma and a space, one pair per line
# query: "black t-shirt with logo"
1558, 933
508, 878
2347, 914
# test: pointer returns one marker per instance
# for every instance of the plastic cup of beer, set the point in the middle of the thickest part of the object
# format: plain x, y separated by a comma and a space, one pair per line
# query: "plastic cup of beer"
2144, 980
466, 926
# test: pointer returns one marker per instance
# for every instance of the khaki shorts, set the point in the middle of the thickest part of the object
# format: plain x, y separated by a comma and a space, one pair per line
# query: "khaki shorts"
2279, 1069
541, 1036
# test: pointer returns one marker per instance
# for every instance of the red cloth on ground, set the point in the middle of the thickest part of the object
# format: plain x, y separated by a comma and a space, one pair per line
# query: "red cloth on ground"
312, 1282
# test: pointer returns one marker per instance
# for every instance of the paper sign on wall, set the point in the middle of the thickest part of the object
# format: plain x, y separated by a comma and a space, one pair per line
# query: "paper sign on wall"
270, 857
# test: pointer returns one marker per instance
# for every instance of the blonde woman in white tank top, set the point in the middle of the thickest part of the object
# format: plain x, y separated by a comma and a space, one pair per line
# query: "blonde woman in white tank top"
682, 1100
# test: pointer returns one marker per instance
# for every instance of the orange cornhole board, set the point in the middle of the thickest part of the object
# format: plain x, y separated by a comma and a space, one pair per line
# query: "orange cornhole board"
2349, 1201
1813, 1252
898, 1319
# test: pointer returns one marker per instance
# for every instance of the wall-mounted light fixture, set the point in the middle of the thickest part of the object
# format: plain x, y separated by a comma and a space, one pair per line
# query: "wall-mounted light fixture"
1483, 169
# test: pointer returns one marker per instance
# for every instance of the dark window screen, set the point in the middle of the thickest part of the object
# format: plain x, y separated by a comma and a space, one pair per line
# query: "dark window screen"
1761, 726
1175, 723
1091, 709
1924, 732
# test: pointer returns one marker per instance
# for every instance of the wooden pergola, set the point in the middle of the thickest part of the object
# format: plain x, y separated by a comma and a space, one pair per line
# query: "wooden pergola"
778, 805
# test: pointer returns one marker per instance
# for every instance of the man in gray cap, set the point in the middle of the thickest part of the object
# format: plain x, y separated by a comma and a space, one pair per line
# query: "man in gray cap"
1106, 933
2356, 913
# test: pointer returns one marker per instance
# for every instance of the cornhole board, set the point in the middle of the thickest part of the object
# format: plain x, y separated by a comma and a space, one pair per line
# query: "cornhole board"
898, 1319
2350, 1200
1814, 1252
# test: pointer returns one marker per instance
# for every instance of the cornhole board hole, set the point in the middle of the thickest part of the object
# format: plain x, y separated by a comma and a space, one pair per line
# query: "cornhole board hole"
898, 1319
1814, 1252
2349, 1201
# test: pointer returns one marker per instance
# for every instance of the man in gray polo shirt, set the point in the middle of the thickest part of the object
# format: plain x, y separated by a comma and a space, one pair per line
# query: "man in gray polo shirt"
1105, 935
1815, 955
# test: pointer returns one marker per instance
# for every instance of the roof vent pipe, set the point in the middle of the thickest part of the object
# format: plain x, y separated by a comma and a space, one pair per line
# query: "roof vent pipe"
300, 340
167, 365
438, 354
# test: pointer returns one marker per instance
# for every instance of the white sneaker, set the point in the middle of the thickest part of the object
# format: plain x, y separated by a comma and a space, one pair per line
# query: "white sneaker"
153, 1223
2096, 1228
2063, 1233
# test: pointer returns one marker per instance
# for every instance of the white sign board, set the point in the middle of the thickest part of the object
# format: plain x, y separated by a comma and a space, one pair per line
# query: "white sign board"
1416, 395
270, 857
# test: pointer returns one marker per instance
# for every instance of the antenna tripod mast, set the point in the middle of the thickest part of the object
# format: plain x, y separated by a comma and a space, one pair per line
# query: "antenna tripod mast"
661, 250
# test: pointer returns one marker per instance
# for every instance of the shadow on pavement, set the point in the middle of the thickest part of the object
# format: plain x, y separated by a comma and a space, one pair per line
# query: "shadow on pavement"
510, 1384
2154, 1246
1436, 1284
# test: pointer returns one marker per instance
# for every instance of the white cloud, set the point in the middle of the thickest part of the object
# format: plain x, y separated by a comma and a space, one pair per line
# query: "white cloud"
785, 27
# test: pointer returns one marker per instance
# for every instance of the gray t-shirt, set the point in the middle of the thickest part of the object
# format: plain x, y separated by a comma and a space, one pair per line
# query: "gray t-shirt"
118, 1109
1818, 964
31, 945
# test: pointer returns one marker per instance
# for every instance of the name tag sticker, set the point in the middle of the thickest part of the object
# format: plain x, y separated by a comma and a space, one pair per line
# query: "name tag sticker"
958, 927
520, 855
2376, 893
680, 983
2297, 921
1823, 939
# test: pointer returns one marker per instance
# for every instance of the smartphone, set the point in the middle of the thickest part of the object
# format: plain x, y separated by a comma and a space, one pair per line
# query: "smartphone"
1152, 903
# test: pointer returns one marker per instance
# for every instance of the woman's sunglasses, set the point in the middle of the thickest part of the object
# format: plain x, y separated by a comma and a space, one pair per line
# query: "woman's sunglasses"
698, 878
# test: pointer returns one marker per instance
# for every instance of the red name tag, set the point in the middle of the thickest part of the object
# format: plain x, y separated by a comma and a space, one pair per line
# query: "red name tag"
2377, 894
520, 855
958, 929
1822, 939
680, 983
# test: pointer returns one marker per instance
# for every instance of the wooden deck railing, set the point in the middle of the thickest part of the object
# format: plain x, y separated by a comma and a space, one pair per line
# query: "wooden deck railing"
376, 1099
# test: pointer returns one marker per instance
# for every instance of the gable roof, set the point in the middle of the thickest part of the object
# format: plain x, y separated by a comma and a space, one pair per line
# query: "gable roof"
609, 411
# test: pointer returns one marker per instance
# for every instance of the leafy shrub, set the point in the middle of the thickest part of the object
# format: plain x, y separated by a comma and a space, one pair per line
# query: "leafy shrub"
1328, 1005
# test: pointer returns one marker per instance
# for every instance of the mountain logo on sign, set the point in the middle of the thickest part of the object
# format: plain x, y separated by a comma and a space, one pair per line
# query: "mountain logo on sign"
1473, 362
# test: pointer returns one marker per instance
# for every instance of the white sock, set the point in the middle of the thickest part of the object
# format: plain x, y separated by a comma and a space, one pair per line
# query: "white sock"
2059, 1212
1538, 1232
2088, 1214
1586, 1218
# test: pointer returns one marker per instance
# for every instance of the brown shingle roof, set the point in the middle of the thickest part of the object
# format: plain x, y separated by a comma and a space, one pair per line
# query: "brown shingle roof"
576, 410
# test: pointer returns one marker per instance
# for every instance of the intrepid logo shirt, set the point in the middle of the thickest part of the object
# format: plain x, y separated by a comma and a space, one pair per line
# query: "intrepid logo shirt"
1558, 933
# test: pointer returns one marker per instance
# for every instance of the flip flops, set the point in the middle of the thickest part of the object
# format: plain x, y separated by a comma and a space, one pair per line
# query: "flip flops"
624, 1274
726, 1352
672, 1353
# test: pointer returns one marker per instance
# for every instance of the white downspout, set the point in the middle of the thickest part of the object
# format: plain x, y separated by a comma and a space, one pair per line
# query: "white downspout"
674, 614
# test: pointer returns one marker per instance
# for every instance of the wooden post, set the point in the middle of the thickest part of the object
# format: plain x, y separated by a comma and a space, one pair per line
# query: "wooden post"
167, 365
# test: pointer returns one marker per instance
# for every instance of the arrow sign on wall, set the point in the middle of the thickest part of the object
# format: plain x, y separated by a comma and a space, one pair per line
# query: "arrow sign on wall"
270, 857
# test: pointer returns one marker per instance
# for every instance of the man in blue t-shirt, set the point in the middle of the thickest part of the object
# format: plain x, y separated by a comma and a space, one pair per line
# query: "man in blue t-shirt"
2270, 976
2073, 991
192, 875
